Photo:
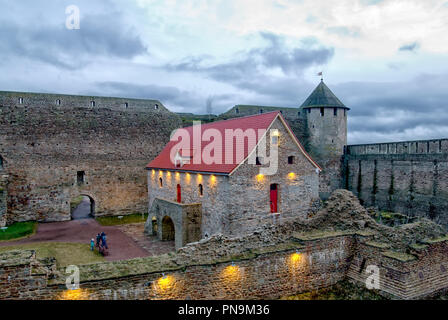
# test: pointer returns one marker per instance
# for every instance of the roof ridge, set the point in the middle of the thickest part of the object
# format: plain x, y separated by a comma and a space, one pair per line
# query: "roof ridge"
233, 119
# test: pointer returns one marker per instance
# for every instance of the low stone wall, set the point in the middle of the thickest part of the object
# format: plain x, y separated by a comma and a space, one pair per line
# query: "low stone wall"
307, 262
404, 276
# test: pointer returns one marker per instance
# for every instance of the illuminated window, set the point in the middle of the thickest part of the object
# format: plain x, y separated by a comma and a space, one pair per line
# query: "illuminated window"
201, 190
160, 182
291, 160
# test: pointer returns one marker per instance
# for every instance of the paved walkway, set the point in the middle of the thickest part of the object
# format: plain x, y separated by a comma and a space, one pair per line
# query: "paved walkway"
121, 246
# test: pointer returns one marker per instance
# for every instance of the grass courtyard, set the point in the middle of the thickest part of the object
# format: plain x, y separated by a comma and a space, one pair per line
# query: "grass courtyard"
116, 220
65, 253
18, 230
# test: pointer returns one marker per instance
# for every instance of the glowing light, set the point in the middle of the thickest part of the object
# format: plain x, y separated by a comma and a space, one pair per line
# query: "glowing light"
187, 177
177, 175
291, 175
231, 273
160, 173
165, 281
212, 179
168, 174
77, 294
153, 172
275, 133
295, 257
199, 178
260, 177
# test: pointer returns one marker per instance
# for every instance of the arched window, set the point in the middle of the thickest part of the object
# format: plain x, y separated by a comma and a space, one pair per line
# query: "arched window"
237, 110
291, 160
156, 107
261, 111
201, 190
58, 102
126, 105
20, 100
92, 103
160, 182
1, 163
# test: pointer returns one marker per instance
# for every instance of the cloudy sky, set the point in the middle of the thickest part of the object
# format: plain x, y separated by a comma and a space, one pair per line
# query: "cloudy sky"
385, 59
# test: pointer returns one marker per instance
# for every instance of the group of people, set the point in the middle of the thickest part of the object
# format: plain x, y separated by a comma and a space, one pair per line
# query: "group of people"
101, 243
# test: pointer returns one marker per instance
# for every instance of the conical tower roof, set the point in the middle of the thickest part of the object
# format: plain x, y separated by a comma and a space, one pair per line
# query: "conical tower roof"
322, 97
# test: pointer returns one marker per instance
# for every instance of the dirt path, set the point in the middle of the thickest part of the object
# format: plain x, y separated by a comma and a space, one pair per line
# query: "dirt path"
121, 246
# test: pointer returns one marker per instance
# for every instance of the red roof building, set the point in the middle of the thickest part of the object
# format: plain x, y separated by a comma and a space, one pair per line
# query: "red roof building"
230, 177
186, 154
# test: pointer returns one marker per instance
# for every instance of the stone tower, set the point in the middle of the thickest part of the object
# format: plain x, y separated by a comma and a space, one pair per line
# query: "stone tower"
326, 126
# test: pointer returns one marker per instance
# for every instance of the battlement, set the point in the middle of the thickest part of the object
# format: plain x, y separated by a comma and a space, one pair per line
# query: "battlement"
63, 101
436, 146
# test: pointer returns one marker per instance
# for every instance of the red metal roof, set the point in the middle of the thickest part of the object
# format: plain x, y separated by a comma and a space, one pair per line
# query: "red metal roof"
255, 122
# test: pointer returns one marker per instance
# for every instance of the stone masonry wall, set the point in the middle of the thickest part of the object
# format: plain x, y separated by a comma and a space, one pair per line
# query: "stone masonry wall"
248, 197
406, 177
262, 275
308, 263
45, 145
3, 198
424, 273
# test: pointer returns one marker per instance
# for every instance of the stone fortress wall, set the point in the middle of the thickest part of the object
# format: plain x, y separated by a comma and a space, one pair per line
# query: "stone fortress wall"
57, 147
304, 264
409, 177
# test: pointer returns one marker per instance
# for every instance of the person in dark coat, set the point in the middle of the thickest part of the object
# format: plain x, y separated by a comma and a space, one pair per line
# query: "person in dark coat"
98, 239
103, 240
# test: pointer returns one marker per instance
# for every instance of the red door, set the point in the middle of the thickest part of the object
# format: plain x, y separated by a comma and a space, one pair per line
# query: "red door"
179, 194
274, 198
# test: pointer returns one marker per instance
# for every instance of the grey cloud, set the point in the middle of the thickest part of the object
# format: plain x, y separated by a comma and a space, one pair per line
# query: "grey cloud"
396, 109
54, 44
255, 62
412, 47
